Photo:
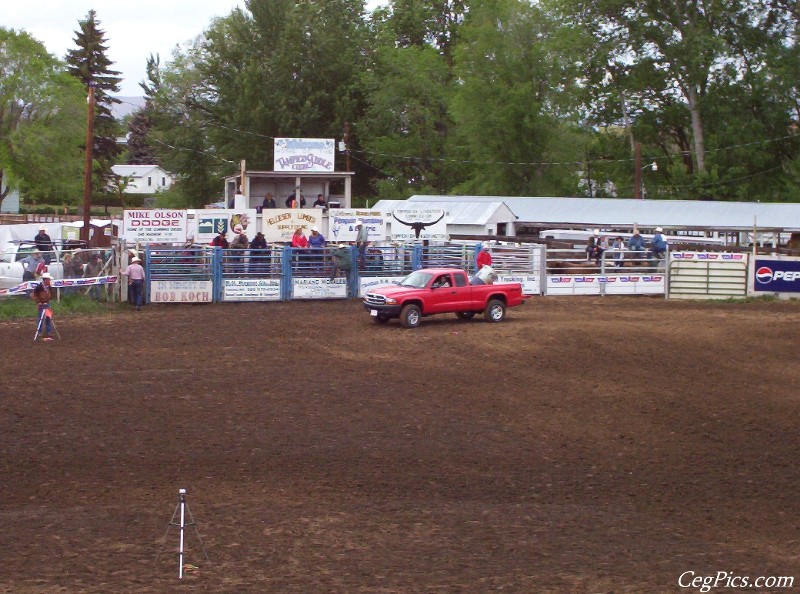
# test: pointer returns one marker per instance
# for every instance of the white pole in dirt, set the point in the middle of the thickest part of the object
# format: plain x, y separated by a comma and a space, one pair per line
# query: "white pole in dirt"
182, 495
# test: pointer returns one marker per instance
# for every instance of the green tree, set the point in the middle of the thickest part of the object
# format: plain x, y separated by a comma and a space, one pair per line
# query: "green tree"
514, 104
90, 65
41, 121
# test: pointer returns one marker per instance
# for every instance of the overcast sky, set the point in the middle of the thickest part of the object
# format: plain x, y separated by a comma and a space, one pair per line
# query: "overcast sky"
134, 28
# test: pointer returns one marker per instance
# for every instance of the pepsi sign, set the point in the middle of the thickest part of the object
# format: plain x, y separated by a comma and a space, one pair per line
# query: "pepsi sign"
777, 276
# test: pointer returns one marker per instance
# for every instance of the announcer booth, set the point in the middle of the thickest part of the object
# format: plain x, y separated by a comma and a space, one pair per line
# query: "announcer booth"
301, 167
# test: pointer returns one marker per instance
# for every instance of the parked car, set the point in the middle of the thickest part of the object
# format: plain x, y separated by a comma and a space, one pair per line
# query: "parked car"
431, 291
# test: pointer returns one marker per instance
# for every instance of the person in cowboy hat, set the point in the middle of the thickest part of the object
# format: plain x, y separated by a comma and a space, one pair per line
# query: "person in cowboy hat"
41, 296
659, 244
135, 274
44, 244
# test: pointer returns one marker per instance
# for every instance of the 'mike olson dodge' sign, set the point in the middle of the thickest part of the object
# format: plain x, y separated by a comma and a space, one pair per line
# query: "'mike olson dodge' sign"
304, 154
161, 225
777, 276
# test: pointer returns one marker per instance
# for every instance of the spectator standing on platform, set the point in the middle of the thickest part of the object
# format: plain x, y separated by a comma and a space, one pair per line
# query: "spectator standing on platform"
320, 202
135, 274
269, 202
44, 244
292, 202
484, 257
362, 241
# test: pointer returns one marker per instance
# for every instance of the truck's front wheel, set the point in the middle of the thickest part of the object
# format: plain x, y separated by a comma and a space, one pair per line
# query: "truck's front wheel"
495, 311
410, 316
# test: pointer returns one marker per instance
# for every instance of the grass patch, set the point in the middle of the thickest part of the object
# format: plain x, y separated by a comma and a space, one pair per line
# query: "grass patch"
22, 307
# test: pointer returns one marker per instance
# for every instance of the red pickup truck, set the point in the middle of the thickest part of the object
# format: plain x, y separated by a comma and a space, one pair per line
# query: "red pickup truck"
430, 291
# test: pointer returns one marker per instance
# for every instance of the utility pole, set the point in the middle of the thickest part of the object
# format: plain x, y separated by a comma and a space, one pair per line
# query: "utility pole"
347, 146
637, 170
87, 168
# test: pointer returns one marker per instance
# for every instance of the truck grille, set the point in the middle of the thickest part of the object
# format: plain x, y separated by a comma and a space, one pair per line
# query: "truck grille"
373, 299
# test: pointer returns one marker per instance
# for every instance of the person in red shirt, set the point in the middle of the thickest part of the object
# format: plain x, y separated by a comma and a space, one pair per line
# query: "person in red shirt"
221, 240
484, 257
298, 239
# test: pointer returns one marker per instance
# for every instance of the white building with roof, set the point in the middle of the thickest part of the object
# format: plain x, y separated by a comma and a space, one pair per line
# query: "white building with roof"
145, 179
463, 217
618, 213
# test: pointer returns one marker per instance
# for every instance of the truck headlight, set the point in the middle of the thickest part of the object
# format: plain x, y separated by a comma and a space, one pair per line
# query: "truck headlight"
390, 301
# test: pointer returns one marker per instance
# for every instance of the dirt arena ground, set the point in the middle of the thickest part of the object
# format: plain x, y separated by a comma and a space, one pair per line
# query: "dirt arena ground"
584, 445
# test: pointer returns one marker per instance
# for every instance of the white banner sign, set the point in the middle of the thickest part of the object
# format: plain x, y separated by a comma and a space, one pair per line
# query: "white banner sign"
367, 283
530, 283
278, 224
161, 225
181, 291
410, 224
208, 223
251, 289
319, 288
342, 224
611, 284
304, 154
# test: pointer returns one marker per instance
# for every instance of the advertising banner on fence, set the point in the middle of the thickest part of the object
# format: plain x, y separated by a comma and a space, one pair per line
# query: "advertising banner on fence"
319, 288
304, 154
777, 276
367, 283
176, 291
251, 289
612, 284
209, 223
530, 282
342, 224
411, 224
278, 224
160, 225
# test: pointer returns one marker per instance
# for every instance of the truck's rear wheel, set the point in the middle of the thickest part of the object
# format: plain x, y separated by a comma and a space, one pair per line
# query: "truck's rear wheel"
410, 316
495, 311
465, 315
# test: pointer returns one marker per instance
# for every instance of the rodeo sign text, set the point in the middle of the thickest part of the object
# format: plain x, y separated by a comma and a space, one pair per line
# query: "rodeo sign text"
304, 154
161, 225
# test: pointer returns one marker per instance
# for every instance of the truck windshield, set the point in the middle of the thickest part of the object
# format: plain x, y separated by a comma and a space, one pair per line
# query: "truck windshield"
417, 279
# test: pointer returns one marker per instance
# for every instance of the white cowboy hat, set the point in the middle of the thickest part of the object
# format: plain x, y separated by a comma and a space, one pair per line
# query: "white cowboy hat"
136, 260
47, 275
659, 229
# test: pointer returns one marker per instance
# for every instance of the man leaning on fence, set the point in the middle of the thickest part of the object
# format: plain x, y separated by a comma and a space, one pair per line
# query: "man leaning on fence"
135, 274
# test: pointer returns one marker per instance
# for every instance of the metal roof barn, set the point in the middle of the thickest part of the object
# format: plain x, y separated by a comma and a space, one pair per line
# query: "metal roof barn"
616, 212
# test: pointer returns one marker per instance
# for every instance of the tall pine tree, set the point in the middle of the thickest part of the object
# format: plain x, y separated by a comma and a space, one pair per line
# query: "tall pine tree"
89, 64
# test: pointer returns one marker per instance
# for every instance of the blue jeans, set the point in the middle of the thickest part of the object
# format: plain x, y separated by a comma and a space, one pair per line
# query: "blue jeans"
44, 323
137, 288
